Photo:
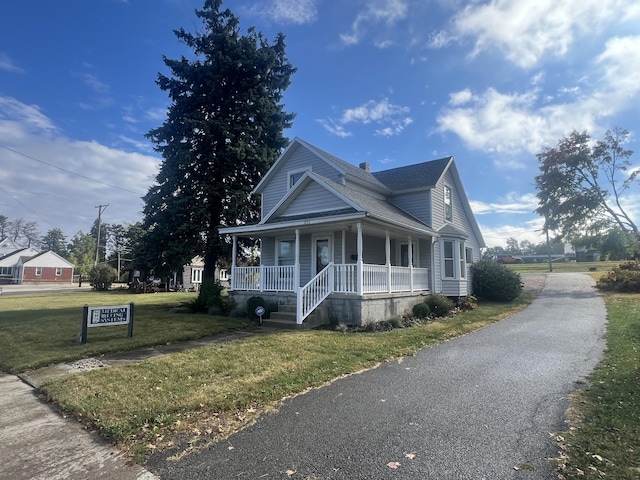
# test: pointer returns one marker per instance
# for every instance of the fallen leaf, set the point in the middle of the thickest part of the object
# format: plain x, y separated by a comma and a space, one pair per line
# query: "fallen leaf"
410, 456
230, 447
290, 472
393, 465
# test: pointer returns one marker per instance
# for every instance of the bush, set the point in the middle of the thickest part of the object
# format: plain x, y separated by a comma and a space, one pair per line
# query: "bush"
622, 278
468, 302
102, 276
421, 310
493, 281
439, 305
210, 299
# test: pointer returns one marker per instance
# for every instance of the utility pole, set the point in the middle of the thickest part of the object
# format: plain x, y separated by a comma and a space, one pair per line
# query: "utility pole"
101, 208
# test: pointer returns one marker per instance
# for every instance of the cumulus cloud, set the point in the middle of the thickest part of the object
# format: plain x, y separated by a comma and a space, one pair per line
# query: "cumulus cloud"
528, 30
512, 203
393, 119
511, 123
66, 178
297, 12
377, 12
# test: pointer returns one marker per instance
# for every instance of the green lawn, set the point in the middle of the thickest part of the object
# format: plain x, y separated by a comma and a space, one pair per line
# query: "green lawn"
563, 267
37, 330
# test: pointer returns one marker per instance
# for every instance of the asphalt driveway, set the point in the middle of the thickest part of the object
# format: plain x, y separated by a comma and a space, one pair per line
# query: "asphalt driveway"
482, 406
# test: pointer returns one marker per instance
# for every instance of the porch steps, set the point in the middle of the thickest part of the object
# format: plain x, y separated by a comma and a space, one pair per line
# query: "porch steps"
285, 318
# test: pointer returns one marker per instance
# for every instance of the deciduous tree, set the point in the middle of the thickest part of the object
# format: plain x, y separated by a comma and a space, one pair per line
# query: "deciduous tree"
224, 129
582, 184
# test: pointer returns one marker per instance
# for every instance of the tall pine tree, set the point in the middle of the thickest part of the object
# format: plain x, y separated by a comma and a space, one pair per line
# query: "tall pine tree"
224, 129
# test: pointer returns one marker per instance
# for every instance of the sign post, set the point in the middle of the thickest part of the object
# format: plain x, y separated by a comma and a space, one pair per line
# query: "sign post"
106, 316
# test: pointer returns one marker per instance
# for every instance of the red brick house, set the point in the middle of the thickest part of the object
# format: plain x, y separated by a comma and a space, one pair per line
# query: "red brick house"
47, 267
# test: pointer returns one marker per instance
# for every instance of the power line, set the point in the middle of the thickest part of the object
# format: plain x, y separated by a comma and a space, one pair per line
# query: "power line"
70, 172
30, 209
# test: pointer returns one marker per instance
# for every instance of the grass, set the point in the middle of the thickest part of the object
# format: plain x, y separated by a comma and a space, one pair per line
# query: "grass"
604, 441
559, 267
37, 330
210, 391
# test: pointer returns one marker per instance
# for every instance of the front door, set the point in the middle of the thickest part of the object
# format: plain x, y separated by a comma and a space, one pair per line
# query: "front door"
322, 253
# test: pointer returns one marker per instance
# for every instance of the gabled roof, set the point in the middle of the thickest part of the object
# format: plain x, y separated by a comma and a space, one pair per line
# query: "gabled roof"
12, 258
413, 177
60, 261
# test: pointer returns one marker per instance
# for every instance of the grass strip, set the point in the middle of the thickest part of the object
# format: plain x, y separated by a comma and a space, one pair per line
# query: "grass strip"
604, 440
194, 391
38, 330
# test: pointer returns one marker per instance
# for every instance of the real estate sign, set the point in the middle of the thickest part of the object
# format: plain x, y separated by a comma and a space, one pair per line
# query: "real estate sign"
106, 316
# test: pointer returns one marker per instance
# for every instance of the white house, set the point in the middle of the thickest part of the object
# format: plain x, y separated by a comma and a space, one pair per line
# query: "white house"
343, 243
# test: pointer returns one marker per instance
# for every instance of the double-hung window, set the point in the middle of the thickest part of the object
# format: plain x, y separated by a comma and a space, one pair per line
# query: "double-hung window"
286, 252
454, 259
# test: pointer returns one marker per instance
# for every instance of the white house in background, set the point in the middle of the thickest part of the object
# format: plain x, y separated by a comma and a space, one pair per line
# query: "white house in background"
342, 243
9, 261
8, 246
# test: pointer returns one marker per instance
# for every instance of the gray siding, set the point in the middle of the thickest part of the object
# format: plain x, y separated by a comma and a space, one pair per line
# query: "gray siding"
268, 251
314, 198
301, 159
417, 204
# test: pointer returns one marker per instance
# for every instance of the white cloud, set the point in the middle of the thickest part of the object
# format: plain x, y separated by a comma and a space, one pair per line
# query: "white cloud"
57, 171
7, 64
94, 83
528, 30
298, 12
385, 12
510, 123
440, 39
393, 118
513, 203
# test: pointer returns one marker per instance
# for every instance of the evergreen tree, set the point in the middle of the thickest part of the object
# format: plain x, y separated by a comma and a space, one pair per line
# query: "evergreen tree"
55, 241
224, 129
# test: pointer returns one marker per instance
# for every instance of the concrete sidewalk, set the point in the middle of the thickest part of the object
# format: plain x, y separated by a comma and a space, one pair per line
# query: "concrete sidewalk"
36, 442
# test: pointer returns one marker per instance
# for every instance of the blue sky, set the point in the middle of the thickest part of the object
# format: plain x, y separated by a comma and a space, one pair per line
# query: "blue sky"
391, 82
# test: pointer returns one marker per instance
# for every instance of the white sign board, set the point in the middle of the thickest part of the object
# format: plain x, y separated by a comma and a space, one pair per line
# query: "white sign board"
113, 315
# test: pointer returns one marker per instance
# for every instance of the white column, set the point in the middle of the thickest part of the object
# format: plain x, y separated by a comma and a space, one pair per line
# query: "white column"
234, 254
297, 262
359, 263
410, 254
387, 252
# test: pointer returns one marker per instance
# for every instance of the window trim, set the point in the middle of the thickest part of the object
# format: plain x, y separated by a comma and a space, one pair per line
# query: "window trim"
58, 271
459, 262
38, 271
280, 240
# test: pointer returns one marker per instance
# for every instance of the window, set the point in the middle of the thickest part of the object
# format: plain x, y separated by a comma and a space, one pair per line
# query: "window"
196, 275
58, 271
6, 271
38, 271
448, 259
294, 177
286, 252
404, 254
469, 255
224, 275
454, 259
448, 205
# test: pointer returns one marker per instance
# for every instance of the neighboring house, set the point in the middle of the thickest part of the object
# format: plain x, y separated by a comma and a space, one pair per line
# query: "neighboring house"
191, 277
9, 261
47, 267
8, 246
26, 265
341, 243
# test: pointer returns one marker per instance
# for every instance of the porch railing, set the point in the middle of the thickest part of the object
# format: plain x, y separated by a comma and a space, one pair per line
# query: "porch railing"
340, 278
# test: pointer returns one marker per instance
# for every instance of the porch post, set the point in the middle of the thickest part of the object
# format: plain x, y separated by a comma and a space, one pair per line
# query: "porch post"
359, 263
234, 253
296, 267
410, 253
387, 252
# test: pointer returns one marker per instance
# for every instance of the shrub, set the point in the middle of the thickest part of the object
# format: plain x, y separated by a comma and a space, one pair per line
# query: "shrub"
468, 302
253, 303
102, 276
622, 278
493, 281
439, 305
421, 310
210, 299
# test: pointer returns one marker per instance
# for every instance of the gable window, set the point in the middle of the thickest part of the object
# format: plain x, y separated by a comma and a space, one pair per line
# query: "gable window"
448, 204
286, 252
38, 271
294, 177
58, 271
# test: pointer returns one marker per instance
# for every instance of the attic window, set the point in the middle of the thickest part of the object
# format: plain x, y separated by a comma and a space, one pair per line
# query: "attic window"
448, 205
294, 177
